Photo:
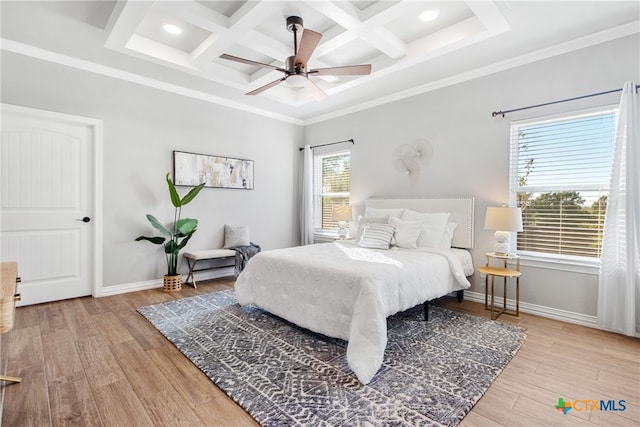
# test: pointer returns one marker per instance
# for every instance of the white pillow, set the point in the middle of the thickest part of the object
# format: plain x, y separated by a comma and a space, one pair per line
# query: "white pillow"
377, 236
378, 212
235, 236
447, 236
407, 232
362, 222
433, 226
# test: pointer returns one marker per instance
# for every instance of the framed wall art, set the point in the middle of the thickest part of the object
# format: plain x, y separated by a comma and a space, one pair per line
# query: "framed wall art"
215, 171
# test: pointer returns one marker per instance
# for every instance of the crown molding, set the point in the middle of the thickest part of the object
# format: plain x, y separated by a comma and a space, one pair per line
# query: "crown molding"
93, 67
570, 46
81, 64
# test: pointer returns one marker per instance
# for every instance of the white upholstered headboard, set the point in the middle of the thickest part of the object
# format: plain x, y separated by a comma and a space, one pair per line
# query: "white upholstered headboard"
460, 207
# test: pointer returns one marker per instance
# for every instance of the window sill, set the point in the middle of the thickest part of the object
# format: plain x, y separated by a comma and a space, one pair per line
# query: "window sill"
563, 263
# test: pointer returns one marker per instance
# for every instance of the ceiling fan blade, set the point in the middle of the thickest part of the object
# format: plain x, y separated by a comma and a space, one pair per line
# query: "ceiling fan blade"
308, 43
265, 87
250, 62
349, 70
315, 91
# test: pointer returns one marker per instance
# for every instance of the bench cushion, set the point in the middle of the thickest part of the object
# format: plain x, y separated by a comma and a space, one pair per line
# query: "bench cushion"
209, 254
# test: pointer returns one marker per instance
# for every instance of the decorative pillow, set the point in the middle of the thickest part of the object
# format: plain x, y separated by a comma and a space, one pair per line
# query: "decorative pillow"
407, 232
433, 226
235, 236
447, 236
377, 236
362, 222
379, 212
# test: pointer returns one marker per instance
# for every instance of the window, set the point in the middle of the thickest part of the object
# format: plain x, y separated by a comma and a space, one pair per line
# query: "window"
560, 171
331, 184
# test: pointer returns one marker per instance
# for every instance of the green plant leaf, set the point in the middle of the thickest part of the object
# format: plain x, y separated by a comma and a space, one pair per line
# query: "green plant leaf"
156, 224
191, 194
175, 198
171, 247
185, 240
186, 226
155, 240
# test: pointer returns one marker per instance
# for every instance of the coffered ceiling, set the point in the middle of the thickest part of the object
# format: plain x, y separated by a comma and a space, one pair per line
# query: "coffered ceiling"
127, 39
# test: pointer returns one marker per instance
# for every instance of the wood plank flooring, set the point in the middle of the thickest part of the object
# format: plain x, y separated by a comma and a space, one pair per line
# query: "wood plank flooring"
97, 362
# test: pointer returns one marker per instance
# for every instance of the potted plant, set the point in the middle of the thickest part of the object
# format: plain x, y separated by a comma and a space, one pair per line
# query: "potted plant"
176, 237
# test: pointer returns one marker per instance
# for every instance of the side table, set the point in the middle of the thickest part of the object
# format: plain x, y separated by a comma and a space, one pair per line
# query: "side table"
505, 273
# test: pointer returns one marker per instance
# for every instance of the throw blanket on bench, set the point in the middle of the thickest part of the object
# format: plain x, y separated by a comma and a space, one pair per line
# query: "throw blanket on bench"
244, 254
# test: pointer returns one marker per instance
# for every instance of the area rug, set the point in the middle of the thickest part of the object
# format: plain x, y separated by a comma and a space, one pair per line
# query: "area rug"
282, 375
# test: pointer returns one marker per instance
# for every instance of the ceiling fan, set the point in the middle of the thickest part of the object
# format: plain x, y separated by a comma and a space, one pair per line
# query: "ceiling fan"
295, 69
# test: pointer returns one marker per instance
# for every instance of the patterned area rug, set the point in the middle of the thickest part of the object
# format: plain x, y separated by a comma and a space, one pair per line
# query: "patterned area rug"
433, 372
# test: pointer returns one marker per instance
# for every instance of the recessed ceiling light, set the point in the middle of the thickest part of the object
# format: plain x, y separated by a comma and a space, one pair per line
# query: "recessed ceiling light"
172, 29
429, 15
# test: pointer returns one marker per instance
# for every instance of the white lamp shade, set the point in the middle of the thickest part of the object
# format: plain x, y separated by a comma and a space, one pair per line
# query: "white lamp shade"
503, 219
341, 213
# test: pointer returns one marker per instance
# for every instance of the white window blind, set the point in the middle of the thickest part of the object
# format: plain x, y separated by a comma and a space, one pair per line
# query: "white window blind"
331, 183
560, 171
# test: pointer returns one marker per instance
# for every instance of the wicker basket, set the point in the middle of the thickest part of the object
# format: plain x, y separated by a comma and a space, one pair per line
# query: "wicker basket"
172, 283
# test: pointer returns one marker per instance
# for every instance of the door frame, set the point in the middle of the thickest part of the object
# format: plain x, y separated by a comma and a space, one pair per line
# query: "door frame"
96, 126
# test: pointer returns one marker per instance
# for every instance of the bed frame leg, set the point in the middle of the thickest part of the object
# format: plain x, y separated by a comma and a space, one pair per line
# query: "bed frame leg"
460, 295
426, 311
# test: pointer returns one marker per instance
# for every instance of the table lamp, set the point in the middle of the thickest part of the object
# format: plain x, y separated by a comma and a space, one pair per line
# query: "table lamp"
503, 220
342, 214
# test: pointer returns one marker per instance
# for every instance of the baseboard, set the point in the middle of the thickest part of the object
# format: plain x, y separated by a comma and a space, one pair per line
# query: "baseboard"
539, 310
157, 283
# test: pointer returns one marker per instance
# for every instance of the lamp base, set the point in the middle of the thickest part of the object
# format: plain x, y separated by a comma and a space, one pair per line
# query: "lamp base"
343, 231
503, 243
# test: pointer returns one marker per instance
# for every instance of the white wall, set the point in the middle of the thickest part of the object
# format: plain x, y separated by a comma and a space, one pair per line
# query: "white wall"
471, 148
142, 127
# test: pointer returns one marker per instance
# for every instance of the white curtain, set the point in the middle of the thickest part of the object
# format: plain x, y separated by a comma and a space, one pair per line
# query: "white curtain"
306, 220
619, 283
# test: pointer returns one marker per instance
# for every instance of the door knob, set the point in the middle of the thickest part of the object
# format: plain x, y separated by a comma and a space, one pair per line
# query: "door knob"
85, 219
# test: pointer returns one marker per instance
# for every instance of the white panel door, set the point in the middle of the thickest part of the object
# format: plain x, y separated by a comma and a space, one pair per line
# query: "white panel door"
46, 203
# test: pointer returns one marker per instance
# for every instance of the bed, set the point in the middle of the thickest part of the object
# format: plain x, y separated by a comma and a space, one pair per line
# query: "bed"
346, 291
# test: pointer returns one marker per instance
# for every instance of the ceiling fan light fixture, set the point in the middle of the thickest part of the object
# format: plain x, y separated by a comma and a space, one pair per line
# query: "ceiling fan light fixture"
296, 81
295, 67
172, 29
429, 15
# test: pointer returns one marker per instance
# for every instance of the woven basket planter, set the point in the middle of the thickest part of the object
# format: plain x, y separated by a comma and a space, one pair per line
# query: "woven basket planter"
172, 283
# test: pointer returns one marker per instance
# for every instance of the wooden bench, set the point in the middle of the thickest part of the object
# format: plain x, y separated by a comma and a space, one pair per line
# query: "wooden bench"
194, 256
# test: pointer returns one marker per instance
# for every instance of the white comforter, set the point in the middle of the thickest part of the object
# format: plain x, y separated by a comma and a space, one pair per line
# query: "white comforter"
347, 292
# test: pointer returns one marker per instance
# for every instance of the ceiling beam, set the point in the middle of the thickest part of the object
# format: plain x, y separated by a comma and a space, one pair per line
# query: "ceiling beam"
124, 21
242, 22
256, 41
488, 13
195, 14
374, 34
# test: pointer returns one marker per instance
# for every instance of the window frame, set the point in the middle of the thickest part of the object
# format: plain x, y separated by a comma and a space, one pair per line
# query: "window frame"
318, 195
564, 262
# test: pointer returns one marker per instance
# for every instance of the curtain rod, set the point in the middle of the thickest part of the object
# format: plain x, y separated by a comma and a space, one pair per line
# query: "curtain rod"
331, 143
495, 113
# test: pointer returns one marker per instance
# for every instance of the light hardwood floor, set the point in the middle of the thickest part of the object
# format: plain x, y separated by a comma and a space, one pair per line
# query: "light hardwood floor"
97, 362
